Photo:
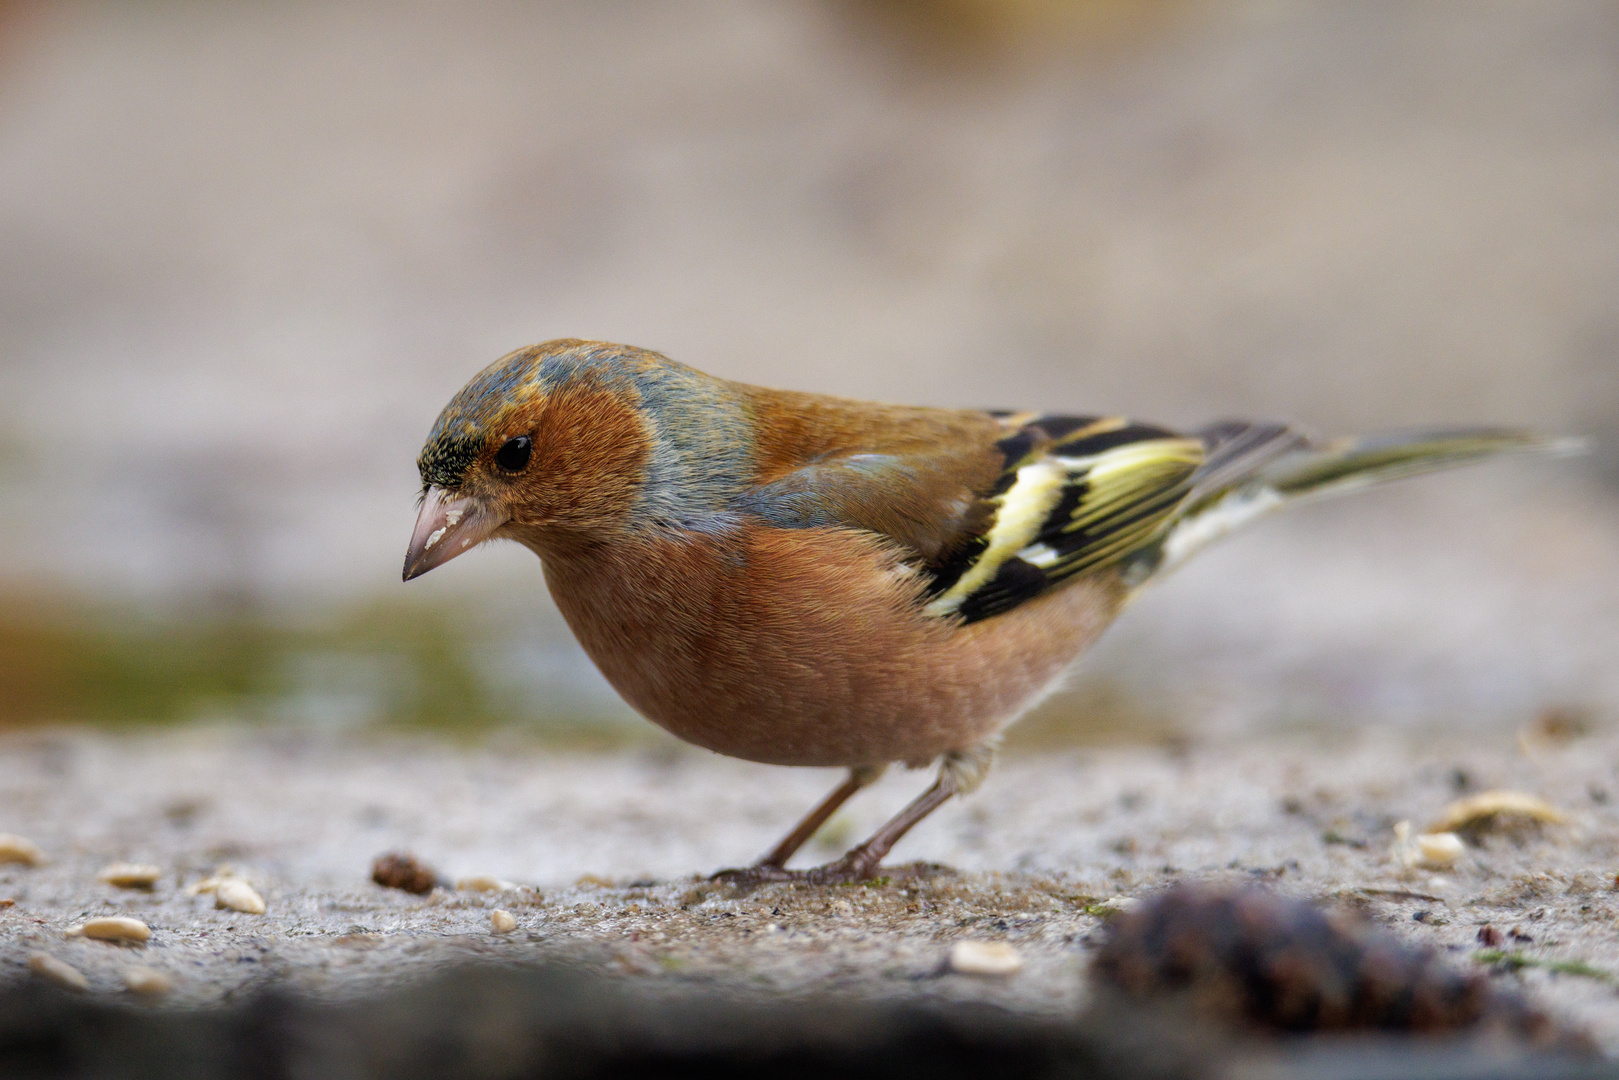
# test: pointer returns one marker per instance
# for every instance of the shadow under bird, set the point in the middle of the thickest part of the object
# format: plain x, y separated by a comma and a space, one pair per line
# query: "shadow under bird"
806, 580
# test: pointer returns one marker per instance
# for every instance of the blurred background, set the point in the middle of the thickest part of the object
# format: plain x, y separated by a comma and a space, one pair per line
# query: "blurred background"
248, 251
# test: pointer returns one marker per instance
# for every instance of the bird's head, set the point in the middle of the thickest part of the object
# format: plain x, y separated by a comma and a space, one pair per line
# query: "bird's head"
574, 443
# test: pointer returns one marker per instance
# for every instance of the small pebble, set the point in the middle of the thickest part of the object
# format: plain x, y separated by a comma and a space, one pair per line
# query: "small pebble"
402, 870
502, 922
238, 895
130, 875
57, 972
148, 982
993, 958
112, 928
17, 849
482, 883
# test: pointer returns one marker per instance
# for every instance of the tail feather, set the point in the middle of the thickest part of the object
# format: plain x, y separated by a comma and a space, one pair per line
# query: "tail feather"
1235, 450
1353, 463
1254, 468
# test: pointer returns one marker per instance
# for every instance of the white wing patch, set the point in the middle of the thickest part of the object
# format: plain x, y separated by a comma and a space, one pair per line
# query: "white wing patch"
1203, 528
1041, 555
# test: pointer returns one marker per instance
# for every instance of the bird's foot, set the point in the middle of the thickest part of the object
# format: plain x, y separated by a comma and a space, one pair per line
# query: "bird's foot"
855, 866
756, 875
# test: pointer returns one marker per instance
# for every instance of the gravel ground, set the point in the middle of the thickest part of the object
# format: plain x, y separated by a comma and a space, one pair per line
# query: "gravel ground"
607, 853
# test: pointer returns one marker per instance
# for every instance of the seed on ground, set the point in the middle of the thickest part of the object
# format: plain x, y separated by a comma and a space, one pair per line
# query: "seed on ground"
502, 922
1493, 809
1439, 850
19, 849
995, 958
482, 883
113, 928
130, 875
148, 982
57, 972
238, 895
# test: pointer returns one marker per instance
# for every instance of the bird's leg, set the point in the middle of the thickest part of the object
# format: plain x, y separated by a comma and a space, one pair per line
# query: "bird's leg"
861, 862
859, 777
770, 868
960, 772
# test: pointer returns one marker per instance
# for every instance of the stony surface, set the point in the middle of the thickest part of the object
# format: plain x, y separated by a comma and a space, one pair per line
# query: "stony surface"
608, 848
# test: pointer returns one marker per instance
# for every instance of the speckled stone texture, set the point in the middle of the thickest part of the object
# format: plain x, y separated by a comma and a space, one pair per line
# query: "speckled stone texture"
608, 854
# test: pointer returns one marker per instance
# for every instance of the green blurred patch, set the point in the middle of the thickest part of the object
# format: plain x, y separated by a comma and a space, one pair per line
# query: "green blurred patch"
400, 665
403, 665
1514, 961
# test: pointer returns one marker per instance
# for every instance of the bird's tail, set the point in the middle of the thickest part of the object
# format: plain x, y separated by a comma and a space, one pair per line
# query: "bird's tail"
1251, 469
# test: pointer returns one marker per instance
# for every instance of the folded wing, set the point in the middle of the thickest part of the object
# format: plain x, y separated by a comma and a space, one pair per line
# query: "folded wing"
1078, 494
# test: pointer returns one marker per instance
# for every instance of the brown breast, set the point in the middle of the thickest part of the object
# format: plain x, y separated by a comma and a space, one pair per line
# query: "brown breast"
807, 646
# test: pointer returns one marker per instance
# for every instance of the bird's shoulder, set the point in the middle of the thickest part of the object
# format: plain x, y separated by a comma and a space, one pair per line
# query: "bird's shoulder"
915, 475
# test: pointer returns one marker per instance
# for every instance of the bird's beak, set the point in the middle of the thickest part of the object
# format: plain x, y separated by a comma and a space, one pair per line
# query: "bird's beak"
448, 525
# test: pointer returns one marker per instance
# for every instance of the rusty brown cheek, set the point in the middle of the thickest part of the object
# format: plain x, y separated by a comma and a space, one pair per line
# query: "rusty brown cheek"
591, 450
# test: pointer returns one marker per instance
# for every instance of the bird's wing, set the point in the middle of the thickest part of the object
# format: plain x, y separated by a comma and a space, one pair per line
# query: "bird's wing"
996, 518
1077, 494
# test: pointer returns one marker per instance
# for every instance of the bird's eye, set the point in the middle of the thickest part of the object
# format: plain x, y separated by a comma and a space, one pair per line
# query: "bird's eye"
513, 456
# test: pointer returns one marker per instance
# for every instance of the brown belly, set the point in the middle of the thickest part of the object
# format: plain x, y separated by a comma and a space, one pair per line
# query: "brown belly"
807, 647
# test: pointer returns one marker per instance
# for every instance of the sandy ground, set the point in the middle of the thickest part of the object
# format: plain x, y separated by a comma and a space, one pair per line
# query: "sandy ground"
607, 853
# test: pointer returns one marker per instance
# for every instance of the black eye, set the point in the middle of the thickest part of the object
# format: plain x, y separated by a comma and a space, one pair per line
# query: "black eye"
513, 456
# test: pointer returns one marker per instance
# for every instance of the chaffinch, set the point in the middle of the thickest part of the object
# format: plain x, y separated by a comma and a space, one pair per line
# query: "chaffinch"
806, 580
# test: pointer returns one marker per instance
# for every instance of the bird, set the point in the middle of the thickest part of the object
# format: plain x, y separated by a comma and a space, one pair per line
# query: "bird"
798, 579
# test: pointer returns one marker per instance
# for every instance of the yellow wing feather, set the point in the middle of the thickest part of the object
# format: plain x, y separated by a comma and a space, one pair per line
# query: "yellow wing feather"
1080, 495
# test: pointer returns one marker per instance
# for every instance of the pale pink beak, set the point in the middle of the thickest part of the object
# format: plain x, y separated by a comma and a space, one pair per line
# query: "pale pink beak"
448, 525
